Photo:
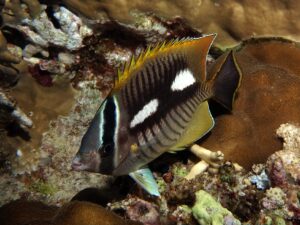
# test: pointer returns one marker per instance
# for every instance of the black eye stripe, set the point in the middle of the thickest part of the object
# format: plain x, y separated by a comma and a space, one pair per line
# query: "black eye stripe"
108, 130
109, 125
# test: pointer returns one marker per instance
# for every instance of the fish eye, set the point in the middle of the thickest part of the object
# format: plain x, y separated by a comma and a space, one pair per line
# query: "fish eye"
106, 150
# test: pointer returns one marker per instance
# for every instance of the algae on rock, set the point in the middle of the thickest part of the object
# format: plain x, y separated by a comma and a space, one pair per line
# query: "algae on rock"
207, 211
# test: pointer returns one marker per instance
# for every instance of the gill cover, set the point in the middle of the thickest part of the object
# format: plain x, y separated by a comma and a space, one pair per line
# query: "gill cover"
98, 143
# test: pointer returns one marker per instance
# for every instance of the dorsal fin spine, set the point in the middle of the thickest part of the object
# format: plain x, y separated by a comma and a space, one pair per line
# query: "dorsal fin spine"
148, 53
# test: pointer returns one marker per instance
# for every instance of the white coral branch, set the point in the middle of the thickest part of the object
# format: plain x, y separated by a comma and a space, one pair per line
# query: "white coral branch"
208, 158
70, 36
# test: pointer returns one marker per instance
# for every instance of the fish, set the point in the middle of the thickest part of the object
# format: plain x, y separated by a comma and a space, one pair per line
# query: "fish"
159, 103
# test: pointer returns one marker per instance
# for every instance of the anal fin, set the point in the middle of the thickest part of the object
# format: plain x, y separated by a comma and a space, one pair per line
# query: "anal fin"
201, 123
146, 180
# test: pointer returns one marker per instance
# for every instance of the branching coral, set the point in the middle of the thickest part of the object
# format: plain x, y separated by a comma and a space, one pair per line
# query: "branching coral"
8, 74
10, 112
65, 31
215, 159
15, 11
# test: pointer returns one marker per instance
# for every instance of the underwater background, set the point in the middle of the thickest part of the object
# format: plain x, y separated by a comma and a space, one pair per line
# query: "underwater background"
59, 61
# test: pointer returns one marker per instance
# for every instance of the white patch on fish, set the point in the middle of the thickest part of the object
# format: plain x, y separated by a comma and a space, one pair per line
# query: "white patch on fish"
117, 111
101, 124
144, 113
182, 80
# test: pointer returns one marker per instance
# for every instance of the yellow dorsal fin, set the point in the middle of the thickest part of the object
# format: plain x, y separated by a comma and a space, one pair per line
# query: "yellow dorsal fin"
196, 46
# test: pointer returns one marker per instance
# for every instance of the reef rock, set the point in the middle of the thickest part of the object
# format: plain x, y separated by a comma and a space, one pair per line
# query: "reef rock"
208, 211
139, 210
269, 96
279, 206
284, 165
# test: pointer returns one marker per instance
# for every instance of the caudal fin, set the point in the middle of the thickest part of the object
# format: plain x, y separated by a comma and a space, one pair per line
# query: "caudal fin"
226, 81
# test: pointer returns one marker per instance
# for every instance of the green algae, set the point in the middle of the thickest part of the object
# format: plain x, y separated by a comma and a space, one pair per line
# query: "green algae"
161, 184
43, 188
180, 171
207, 211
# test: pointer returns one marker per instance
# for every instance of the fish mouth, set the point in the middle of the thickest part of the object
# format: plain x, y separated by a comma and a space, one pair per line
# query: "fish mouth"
90, 162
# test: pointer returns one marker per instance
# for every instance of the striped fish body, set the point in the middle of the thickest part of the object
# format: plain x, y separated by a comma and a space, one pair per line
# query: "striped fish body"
157, 117
158, 104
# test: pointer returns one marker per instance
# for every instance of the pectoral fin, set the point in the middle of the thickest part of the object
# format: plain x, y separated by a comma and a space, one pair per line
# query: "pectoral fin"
146, 180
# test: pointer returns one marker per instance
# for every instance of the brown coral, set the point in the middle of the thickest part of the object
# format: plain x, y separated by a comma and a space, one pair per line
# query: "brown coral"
233, 20
269, 95
8, 73
73, 213
14, 12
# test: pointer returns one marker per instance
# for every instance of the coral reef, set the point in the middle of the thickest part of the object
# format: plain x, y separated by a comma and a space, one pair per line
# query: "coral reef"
72, 213
10, 112
208, 158
45, 38
231, 196
284, 166
72, 53
8, 73
270, 83
139, 210
47, 176
36, 163
232, 20
208, 211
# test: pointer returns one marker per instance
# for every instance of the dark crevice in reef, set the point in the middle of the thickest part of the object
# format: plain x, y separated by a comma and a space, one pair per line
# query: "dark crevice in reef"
15, 37
121, 35
50, 14
14, 130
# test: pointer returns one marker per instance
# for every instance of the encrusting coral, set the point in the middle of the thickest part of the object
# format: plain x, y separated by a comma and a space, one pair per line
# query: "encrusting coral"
208, 211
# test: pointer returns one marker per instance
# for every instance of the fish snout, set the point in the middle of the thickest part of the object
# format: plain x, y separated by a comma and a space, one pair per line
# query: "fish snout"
77, 165
87, 162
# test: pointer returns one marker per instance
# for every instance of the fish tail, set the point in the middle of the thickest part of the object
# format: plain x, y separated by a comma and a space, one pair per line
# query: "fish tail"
225, 81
